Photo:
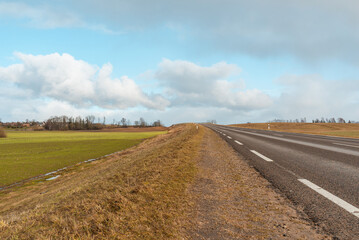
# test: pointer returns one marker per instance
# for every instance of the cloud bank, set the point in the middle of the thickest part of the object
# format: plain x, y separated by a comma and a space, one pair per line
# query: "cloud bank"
43, 85
59, 83
192, 85
310, 30
313, 97
63, 78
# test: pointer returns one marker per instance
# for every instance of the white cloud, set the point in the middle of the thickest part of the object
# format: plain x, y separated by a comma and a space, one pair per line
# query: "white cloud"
194, 85
63, 78
45, 85
312, 96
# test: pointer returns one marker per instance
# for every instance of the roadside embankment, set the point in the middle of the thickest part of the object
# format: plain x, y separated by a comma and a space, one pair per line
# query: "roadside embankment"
138, 194
187, 184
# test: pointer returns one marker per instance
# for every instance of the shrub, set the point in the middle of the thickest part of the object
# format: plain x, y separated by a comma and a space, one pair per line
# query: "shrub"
2, 133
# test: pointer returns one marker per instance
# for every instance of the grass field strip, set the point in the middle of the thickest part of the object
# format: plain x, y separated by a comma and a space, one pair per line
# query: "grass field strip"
54, 172
338, 201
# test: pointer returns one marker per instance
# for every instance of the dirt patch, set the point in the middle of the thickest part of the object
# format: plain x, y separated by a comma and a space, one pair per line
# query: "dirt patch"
232, 201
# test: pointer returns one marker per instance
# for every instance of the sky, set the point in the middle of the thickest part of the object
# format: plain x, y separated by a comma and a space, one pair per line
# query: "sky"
232, 61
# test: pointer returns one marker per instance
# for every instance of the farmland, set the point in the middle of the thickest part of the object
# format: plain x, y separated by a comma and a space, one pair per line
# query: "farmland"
27, 154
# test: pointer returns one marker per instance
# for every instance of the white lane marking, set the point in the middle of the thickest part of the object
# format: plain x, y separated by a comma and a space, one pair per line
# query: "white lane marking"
340, 202
262, 156
238, 142
229, 137
348, 145
223, 134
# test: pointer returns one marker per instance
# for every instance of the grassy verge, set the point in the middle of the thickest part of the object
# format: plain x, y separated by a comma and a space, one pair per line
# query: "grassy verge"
140, 194
27, 154
350, 130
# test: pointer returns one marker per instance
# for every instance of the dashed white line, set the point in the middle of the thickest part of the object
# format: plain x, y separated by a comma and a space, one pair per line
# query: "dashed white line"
229, 137
262, 156
238, 142
340, 202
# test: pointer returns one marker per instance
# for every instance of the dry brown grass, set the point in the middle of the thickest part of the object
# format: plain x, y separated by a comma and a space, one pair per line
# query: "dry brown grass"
139, 194
332, 129
130, 129
2, 133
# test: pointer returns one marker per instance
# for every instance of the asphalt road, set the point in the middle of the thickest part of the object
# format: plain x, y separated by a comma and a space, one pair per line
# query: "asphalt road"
319, 174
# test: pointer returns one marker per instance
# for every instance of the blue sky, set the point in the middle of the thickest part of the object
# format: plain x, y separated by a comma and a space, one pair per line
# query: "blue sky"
179, 61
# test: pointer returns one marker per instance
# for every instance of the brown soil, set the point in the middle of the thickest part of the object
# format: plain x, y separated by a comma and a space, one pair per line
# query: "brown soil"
232, 201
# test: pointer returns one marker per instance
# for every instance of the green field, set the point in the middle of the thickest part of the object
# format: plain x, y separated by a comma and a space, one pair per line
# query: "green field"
27, 154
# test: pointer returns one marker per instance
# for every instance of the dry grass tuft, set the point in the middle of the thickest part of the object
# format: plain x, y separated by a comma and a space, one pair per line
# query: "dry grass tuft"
138, 195
2, 133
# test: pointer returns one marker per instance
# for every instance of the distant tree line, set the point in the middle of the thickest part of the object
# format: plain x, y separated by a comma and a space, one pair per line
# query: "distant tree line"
63, 123
317, 120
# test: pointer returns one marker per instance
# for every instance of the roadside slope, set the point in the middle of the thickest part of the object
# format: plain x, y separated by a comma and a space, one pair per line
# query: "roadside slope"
138, 194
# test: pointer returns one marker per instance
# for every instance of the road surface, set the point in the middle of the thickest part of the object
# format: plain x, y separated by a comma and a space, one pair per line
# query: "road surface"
320, 174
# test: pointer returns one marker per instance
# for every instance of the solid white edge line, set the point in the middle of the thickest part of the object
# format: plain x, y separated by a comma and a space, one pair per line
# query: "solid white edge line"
229, 137
347, 145
238, 142
340, 202
261, 156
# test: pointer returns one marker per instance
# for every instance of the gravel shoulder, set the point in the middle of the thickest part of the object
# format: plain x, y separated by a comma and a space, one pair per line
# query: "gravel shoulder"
232, 201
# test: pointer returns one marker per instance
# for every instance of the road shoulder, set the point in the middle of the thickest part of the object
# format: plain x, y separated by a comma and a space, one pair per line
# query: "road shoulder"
232, 201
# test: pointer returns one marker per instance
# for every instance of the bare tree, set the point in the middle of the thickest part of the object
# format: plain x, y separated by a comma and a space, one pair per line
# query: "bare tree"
123, 122
157, 123
341, 120
142, 122
137, 123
